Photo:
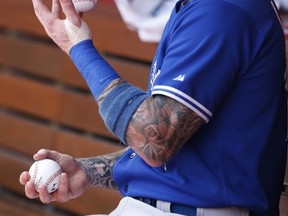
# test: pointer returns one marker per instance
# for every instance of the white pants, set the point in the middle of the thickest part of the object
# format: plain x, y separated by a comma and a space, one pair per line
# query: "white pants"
132, 207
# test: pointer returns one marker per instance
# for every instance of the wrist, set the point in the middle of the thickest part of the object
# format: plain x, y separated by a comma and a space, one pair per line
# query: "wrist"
97, 73
77, 34
85, 167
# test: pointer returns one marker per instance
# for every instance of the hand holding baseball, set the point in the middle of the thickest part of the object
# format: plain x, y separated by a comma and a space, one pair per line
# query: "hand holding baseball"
72, 181
67, 32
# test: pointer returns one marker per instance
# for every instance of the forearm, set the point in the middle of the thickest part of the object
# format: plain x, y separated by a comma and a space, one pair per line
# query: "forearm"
99, 169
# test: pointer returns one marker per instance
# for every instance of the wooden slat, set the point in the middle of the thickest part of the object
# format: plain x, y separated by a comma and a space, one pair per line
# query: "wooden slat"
13, 166
29, 96
12, 10
40, 59
51, 103
50, 62
133, 72
81, 146
81, 112
26, 136
121, 40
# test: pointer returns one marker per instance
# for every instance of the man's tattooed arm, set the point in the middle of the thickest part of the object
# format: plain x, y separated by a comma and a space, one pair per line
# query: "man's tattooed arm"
99, 169
159, 127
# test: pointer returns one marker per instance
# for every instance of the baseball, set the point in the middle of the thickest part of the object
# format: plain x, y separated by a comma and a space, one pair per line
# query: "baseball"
84, 5
45, 172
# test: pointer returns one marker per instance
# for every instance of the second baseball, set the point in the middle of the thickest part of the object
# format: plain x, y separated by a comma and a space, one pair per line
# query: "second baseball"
45, 172
84, 5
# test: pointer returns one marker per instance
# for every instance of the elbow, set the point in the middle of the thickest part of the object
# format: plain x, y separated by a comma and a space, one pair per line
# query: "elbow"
154, 163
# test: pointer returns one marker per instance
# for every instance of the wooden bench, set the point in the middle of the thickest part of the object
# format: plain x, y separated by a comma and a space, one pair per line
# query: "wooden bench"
44, 102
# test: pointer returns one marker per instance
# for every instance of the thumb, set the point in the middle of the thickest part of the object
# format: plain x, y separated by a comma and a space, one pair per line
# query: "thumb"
44, 153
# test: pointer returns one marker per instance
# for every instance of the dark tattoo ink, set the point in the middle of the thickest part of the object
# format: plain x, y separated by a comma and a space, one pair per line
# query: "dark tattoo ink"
160, 127
100, 169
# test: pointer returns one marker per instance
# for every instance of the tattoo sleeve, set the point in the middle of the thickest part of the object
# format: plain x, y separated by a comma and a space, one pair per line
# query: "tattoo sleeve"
159, 127
99, 169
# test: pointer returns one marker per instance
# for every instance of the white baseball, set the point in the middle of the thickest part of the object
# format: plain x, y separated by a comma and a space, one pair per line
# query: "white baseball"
45, 172
84, 5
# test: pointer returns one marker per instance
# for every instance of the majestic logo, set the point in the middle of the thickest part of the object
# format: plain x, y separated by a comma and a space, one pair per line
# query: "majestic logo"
155, 74
180, 78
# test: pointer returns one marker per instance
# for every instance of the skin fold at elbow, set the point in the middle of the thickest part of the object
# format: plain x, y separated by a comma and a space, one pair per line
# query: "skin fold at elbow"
155, 157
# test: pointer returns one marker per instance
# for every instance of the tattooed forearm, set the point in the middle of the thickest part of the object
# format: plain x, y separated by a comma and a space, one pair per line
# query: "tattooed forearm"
99, 169
160, 127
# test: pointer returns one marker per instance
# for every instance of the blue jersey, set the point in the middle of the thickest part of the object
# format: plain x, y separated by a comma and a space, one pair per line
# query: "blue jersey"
225, 60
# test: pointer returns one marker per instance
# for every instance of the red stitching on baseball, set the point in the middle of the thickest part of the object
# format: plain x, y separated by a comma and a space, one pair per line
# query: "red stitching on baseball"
52, 177
35, 172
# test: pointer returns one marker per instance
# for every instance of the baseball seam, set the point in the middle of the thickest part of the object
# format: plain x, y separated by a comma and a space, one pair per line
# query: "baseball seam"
52, 177
35, 173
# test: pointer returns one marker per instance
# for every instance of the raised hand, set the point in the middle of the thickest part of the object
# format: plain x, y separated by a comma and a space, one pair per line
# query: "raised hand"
65, 32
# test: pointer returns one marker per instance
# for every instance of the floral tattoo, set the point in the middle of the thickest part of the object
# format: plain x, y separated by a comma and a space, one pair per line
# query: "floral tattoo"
160, 127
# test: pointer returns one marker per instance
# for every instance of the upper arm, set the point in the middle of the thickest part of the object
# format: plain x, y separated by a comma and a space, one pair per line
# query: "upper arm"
160, 127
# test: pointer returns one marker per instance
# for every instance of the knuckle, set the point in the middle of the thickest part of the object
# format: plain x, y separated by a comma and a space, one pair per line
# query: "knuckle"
62, 200
45, 199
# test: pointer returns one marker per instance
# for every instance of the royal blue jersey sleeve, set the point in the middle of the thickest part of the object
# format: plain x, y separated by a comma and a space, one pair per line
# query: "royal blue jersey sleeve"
202, 72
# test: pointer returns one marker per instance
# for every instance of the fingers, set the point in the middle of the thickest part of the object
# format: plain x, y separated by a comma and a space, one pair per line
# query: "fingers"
44, 196
70, 12
41, 154
65, 161
62, 193
42, 12
30, 191
56, 8
47, 17
24, 178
